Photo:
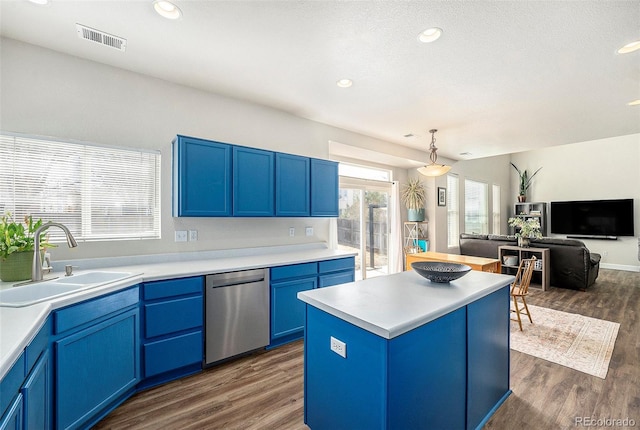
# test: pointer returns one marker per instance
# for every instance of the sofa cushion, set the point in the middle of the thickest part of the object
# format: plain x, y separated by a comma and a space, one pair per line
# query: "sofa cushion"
472, 236
502, 237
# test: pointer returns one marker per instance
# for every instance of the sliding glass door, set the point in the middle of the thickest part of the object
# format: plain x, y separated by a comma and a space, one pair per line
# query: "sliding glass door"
363, 224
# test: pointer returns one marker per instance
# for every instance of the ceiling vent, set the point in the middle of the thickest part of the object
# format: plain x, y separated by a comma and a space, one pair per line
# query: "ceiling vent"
101, 37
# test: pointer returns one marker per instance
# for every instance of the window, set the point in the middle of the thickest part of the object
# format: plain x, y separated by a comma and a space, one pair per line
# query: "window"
476, 219
453, 211
495, 199
98, 192
364, 172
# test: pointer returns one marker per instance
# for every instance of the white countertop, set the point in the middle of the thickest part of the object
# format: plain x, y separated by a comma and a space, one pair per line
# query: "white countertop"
18, 326
389, 306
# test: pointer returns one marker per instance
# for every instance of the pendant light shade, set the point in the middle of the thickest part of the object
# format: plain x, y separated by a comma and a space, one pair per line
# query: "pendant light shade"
433, 168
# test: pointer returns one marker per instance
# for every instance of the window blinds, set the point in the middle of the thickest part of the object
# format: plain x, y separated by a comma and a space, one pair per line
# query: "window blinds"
99, 193
453, 211
476, 207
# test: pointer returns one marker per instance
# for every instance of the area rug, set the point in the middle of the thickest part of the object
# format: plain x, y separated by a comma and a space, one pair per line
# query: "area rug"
571, 340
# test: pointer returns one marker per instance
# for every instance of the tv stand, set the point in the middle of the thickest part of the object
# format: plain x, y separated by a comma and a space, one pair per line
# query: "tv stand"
588, 236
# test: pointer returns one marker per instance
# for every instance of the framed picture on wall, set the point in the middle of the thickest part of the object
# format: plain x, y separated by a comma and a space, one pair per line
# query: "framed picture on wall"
442, 196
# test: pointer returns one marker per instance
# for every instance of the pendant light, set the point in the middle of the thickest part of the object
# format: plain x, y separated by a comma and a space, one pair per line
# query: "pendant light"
433, 169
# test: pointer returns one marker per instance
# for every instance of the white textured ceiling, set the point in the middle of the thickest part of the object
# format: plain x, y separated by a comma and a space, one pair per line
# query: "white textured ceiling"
506, 76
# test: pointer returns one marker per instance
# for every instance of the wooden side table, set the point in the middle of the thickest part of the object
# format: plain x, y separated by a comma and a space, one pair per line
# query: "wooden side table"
541, 254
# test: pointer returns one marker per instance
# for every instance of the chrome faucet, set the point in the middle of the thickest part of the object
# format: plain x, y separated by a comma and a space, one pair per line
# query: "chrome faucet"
36, 268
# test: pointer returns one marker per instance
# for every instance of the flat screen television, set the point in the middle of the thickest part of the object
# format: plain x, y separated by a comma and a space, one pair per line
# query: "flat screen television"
593, 218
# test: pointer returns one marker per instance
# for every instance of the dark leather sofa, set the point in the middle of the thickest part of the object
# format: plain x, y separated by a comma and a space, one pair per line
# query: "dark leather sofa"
571, 264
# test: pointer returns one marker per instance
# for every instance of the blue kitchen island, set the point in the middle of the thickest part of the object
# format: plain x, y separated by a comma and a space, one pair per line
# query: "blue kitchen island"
400, 352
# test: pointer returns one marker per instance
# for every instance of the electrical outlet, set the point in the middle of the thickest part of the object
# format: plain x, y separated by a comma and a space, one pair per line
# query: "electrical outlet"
292, 231
181, 235
339, 347
308, 231
193, 235
605, 254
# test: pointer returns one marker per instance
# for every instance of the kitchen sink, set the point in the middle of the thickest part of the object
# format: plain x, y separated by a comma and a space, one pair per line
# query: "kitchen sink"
93, 278
30, 294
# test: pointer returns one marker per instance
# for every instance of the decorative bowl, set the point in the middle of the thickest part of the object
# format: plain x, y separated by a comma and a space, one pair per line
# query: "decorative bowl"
436, 271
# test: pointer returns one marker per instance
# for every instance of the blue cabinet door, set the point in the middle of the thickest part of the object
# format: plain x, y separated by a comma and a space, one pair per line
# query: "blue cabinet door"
95, 367
292, 185
12, 419
201, 178
253, 182
287, 312
324, 188
37, 395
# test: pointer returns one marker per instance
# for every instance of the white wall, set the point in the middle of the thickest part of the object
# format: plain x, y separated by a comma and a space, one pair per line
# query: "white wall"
47, 93
599, 169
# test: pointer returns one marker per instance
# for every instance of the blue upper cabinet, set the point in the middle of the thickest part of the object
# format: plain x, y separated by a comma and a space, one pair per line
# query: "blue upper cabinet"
324, 188
253, 182
201, 178
292, 185
213, 179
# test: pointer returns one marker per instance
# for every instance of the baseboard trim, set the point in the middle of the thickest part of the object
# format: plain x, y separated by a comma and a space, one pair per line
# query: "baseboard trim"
625, 267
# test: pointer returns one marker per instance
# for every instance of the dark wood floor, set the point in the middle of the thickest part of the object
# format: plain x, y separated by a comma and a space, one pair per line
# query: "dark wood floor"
264, 391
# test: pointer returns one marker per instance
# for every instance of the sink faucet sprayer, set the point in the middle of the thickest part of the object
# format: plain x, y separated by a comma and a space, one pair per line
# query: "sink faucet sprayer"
36, 268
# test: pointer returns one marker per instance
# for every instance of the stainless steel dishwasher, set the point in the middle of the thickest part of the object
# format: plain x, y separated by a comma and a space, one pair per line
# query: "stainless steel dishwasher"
236, 313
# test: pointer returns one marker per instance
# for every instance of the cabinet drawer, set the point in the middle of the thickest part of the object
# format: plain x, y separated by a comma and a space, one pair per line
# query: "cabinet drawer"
172, 316
173, 287
173, 353
337, 264
79, 314
294, 271
335, 279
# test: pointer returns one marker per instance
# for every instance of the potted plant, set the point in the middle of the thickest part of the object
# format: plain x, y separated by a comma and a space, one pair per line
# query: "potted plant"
414, 196
17, 247
525, 182
525, 229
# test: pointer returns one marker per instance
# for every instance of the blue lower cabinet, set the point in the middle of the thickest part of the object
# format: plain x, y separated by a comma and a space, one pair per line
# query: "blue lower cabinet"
287, 312
172, 337
36, 392
12, 419
96, 368
173, 353
335, 272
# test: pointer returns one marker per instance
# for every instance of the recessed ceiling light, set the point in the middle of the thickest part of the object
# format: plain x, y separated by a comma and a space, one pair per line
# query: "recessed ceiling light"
629, 47
430, 35
464, 154
167, 9
40, 2
634, 103
344, 83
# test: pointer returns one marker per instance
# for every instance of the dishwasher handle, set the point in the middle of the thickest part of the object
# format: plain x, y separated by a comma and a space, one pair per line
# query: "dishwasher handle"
236, 278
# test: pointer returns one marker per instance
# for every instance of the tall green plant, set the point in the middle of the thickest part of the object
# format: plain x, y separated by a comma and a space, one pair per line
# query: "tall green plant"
413, 194
525, 179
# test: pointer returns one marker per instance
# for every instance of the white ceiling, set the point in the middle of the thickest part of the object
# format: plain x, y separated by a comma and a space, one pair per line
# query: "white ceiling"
506, 76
